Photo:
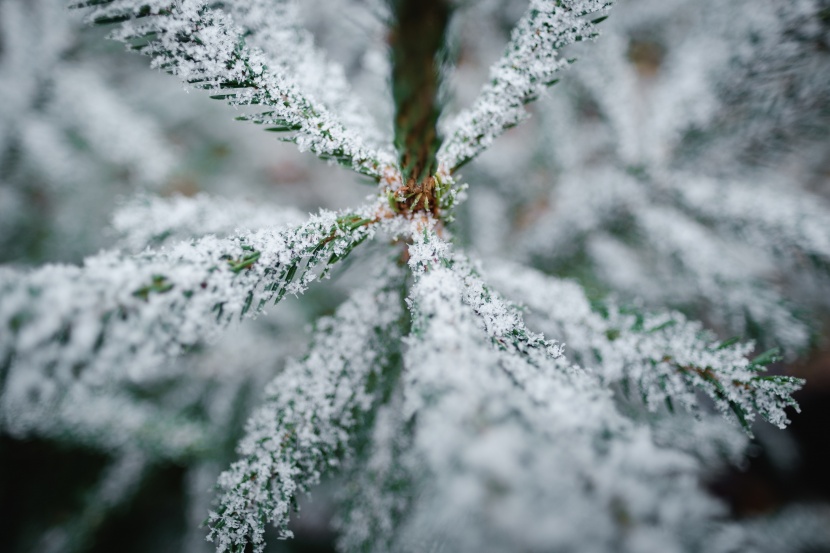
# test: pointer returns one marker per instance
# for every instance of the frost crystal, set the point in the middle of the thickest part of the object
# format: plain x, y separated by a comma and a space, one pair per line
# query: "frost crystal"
205, 48
503, 430
528, 66
121, 312
311, 413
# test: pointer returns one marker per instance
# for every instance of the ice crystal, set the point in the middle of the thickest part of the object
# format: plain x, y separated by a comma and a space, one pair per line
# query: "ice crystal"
530, 63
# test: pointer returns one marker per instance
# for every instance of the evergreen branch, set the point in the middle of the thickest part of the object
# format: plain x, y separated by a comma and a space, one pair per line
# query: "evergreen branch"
663, 359
312, 413
500, 320
418, 45
203, 47
724, 275
108, 128
528, 66
150, 221
120, 310
499, 433
471, 433
274, 27
632, 236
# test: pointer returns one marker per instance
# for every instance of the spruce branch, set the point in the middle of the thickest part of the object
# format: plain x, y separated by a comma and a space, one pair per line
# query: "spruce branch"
313, 411
644, 229
379, 487
274, 27
784, 222
499, 319
119, 310
662, 359
529, 65
203, 46
507, 430
456, 427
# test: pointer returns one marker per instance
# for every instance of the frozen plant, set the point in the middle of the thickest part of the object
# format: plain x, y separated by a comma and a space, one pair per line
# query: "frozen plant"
694, 170
455, 425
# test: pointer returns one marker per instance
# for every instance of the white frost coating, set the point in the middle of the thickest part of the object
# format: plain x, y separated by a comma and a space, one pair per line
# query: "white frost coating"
662, 359
649, 122
35, 33
474, 433
669, 176
712, 439
149, 221
36, 36
513, 452
275, 28
45, 146
70, 138
119, 312
704, 247
529, 65
774, 89
500, 320
203, 46
312, 411
726, 275
578, 212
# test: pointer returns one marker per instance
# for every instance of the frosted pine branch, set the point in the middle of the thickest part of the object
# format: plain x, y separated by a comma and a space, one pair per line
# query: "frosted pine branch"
69, 135
113, 131
203, 47
312, 412
773, 98
529, 65
723, 274
150, 221
502, 435
663, 359
652, 184
499, 319
639, 231
274, 27
452, 421
120, 311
